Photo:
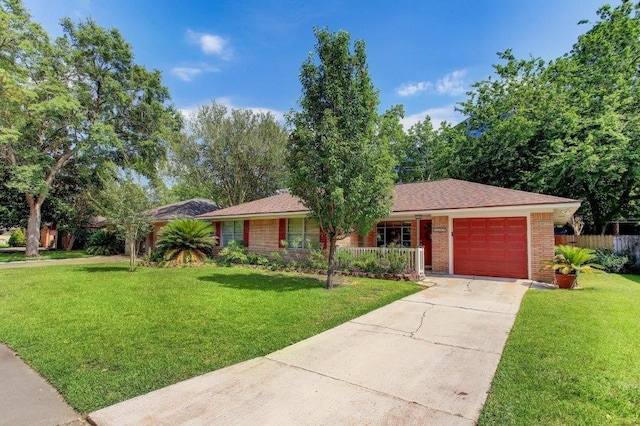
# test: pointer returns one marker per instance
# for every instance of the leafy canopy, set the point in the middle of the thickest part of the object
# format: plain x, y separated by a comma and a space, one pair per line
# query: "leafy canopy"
230, 157
338, 165
569, 127
78, 101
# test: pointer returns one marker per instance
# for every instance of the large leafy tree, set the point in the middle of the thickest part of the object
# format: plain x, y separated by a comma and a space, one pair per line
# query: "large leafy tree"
339, 166
595, 151
569, 127
80, 99
230, 157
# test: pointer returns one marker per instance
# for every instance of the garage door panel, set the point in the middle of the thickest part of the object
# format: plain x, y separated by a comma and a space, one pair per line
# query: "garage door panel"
491, 247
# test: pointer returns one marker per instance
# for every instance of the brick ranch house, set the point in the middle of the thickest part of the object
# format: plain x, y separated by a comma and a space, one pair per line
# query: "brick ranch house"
465, 228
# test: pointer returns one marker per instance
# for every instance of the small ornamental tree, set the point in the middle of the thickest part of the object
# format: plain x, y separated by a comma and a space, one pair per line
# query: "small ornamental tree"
338, 166
126, 206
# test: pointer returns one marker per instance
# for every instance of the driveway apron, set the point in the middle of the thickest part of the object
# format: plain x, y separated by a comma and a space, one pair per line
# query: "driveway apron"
426, 359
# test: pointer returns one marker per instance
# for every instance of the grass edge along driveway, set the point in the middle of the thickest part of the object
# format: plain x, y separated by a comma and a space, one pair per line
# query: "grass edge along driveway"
101, 334
572, 357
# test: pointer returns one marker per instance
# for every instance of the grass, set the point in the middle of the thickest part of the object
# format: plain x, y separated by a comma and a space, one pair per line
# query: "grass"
573, 357
101, 334
18, 256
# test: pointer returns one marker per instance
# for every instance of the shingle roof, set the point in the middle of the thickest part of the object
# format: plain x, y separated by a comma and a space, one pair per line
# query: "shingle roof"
281, 203
446, 194
188, 208
449, 194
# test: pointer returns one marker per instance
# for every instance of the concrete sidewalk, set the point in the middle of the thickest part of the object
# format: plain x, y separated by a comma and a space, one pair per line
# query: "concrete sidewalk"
27, 399
426, 359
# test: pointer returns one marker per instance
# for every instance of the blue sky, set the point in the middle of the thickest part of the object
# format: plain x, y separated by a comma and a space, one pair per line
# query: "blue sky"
247, 54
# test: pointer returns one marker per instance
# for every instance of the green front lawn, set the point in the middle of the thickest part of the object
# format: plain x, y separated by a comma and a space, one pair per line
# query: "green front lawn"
44, 255
101, 334
573, 357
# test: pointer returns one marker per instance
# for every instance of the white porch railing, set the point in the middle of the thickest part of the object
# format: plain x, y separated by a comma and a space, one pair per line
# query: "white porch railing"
415, 256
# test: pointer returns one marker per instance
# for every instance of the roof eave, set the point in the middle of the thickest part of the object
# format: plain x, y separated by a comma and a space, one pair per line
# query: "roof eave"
268, 215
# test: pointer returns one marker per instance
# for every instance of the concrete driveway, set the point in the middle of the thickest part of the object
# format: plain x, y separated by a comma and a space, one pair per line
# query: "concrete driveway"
426, 359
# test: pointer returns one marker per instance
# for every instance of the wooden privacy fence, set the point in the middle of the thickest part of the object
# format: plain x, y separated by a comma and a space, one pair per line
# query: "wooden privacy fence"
622, 244
590, 241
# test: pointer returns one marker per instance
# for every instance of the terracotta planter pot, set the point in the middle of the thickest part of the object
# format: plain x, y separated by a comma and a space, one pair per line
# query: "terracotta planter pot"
566, 280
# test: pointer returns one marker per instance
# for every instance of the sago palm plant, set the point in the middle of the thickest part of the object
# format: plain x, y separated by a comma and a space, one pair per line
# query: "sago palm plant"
186, 241
573, 260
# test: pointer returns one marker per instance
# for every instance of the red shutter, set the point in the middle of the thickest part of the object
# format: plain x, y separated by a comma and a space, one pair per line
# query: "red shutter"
282, 232
323, 240
245, 233
218, 232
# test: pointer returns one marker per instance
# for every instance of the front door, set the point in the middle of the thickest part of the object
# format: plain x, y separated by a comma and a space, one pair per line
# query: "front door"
425, 240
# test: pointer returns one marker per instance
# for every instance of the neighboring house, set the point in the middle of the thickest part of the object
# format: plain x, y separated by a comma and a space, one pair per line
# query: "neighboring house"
465, 228
164, 214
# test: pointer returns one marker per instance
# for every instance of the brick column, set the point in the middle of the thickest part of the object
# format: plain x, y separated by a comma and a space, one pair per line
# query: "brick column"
370, 238
542, 242
415, 238
440, 244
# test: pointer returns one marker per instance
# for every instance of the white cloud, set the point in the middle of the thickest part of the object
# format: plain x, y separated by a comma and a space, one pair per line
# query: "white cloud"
408, 89
189, 73
210, 44
186, 73
437, 115
452, 83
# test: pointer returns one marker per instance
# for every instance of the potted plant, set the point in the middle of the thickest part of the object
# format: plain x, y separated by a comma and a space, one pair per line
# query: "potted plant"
569, 261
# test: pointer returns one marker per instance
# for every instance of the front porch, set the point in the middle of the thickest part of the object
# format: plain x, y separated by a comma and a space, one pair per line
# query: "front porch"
412, 258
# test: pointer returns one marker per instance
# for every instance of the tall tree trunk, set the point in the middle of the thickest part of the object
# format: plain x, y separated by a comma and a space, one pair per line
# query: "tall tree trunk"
69, 239
331, 261
132, 254
33, 226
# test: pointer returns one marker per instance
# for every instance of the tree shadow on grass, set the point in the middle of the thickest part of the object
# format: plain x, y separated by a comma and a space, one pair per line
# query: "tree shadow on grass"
633, 278
270, 282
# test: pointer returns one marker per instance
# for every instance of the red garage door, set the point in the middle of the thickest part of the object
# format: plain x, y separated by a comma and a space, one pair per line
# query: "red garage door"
491, 247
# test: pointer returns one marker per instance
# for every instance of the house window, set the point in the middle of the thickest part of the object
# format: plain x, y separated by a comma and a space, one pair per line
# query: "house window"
398, 233
302, 233
232, 230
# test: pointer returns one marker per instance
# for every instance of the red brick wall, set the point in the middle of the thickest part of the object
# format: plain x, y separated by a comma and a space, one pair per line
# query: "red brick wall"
152, 238
370, 239
440, 245
541, 245
263, 235
350, 241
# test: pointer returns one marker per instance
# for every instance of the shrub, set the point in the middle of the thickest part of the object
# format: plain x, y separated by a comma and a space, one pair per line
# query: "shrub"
257, 259
105, 243
317, 259
368, 262
276, 261
234, 253
613, 262
398, 260
156, 255
186, 241
17, 239
344, 260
